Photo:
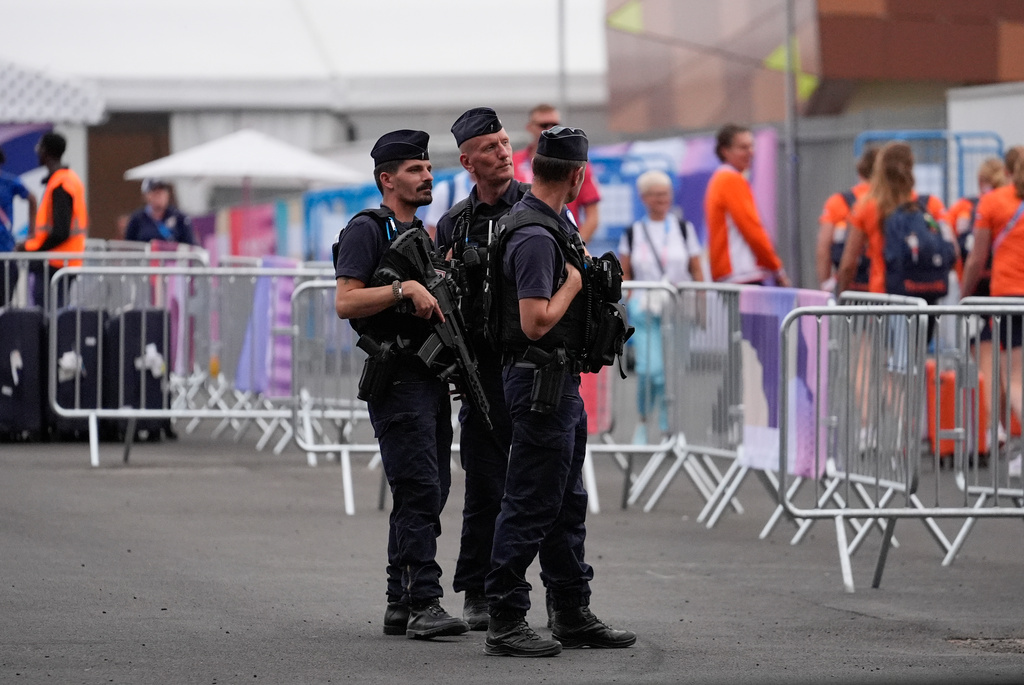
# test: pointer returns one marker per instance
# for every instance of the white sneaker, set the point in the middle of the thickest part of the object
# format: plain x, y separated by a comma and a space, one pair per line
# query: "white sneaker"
1013, 467
640, 434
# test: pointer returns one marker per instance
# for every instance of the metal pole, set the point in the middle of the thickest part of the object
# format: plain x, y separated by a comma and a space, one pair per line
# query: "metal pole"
792, 164
562, 99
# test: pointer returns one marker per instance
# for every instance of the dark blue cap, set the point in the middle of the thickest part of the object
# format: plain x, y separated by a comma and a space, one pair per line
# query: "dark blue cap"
563, 142
478, 121
400, 145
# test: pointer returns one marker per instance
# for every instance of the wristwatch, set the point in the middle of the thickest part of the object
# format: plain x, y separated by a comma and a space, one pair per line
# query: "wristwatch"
396, 290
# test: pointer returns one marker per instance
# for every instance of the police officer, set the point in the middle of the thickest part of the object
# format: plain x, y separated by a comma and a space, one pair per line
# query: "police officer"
468, 226
411, 416
159, 219
542, 304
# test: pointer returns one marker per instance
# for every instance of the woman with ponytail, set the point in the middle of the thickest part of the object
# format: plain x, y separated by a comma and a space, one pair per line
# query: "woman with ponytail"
892, 185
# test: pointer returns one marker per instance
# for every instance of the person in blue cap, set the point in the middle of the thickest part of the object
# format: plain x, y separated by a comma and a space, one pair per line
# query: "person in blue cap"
543, 315
467, 230
159, 219
411, 412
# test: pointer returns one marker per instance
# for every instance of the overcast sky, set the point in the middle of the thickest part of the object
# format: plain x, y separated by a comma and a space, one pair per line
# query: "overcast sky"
300, 38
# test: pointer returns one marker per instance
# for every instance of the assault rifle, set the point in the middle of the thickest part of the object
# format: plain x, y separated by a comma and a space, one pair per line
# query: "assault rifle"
409, 258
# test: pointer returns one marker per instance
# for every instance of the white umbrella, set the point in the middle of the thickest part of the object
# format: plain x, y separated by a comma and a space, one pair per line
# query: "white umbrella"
247, 156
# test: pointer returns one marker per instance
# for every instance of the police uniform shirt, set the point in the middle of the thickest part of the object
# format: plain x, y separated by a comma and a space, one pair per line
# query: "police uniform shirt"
143, 226
362, 244
481, 212
532, 257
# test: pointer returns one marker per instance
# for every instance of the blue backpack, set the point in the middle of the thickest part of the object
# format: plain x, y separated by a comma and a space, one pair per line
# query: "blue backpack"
917, 257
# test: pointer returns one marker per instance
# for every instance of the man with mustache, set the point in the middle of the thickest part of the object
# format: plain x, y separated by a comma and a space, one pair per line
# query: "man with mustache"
468, 229
409, 408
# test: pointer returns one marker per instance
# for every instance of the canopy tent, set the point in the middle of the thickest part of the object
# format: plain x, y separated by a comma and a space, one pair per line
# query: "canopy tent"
245, 157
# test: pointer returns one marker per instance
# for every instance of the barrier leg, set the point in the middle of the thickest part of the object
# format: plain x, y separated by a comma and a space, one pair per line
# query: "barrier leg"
890, 525
346, 482
307, 428
844, 554
780, 510
870, 523
723, 484
644, 477
94, 440
590, 482
932, 526
709, 464
737, 480
663, 485
965, 530
129, 437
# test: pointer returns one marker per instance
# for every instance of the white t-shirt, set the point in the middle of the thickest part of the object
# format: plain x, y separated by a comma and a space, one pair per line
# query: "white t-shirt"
666, 239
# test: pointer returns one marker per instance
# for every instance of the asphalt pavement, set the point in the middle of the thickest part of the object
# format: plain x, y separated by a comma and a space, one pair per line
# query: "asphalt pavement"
206, 561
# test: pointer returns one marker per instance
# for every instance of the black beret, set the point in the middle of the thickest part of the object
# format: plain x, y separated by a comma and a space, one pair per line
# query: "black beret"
400, 145
562, 142
475, 122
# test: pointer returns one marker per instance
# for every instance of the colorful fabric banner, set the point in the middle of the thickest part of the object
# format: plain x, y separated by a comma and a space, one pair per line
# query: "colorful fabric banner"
762, 311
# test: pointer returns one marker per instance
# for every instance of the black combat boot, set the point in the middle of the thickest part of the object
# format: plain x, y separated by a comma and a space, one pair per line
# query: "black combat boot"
515, 637
396, 616
428, 619
578, 627
475, 610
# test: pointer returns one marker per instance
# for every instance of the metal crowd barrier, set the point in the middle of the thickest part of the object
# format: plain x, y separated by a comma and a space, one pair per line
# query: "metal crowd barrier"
705, 376
326, 365
198, 343
865, 429
655, 310
16, 268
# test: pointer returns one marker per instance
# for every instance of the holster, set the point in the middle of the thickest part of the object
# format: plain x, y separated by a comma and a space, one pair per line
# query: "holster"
377, 369
549, 372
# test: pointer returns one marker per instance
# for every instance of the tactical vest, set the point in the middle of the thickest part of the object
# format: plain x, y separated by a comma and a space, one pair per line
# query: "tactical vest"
390, 323
570, 333
473, 233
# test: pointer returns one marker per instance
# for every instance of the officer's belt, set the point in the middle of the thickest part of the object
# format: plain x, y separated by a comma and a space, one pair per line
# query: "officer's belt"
535, 358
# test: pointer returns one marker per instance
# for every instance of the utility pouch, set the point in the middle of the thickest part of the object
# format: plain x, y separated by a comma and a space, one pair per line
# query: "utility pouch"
377, 368
548, 378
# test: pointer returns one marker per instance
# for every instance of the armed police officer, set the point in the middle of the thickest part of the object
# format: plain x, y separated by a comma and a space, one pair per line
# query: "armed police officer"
468, 229
544, 305
408, 405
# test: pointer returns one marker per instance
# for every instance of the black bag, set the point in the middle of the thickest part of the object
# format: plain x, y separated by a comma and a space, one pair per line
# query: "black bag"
77, 375
21, 373
135, 367
610, 327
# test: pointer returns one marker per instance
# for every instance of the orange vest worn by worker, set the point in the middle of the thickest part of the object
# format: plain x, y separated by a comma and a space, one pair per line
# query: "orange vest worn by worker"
73, 186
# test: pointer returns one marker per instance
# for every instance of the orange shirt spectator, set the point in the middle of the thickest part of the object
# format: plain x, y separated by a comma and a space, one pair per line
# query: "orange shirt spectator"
994, 212
739, 249
865, 217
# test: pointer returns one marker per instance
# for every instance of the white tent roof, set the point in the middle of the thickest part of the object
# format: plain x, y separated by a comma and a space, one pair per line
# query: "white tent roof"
248, 155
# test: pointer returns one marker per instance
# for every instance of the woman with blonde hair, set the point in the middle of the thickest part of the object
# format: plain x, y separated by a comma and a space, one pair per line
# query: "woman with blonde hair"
658, 247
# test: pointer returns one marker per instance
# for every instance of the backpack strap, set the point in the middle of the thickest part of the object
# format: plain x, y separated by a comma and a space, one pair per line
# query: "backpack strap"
849, 198
922, 202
